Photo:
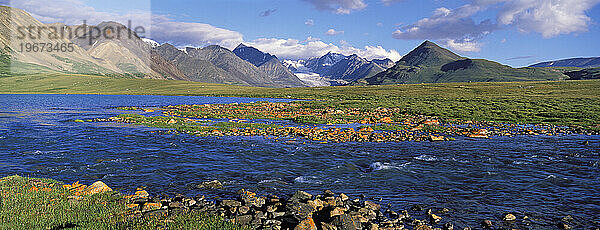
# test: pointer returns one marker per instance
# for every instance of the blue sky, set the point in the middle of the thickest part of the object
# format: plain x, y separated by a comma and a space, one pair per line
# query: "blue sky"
513, 32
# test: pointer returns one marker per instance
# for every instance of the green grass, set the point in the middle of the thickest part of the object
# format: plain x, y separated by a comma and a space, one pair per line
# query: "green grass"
28, 203
575, 103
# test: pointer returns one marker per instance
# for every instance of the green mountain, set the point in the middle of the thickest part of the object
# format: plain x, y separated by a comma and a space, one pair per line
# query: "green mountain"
584, 74
430, 63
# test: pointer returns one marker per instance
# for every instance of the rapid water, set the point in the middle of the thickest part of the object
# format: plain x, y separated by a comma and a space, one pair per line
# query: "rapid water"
543, 177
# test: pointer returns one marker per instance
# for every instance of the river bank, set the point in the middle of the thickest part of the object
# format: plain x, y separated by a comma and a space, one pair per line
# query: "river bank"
58, 206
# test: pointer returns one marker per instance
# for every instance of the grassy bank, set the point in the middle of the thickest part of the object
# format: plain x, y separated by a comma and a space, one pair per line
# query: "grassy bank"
29, 203
575, 103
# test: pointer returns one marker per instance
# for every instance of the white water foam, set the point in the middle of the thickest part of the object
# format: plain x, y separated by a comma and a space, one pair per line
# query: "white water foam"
426, 158
308, 180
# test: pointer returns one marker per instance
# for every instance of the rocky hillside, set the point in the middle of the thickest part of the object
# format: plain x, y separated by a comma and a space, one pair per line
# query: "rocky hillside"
269, 64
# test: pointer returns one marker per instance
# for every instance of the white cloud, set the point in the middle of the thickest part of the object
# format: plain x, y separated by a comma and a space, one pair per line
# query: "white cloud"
165, 29
463, 46
313, 47
193, 34
309, 22
459, 30
338, 6
447, 24
333, 32
547, 17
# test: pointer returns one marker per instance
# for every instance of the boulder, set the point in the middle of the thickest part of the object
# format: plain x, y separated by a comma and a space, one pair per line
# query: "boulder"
346, 222
300, 196
215, 184
97, 187
306, 224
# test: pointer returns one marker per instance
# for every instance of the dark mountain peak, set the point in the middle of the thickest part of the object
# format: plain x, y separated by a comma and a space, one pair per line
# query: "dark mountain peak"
429, 54
240, 46
253, 55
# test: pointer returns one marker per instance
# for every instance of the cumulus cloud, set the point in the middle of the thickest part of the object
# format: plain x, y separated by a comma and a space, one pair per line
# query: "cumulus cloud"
547, 17
181, 34
333, 32
338, 6
465, 45
314, 47
447, 24
193, 34
459, 30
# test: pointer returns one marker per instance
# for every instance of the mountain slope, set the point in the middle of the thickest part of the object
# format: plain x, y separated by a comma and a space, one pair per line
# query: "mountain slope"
336, 69
196, 69
572, 62
585, 74
352, 68
232, 64
430, 63
70, 60
269, 64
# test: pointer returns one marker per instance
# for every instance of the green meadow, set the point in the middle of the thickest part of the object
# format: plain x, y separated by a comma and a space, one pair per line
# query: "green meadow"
573, 103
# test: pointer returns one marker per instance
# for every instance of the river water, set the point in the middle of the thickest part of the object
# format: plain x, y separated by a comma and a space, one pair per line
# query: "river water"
542, 177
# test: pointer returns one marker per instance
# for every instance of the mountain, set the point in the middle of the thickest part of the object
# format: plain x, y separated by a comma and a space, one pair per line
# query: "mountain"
336, 69
268, 64
572, 62
196, 69
13, 41
130, 53
351, 68
384, 63
584, 74
429, 63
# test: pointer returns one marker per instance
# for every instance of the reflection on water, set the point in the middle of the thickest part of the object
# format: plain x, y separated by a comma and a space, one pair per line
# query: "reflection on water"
542, 177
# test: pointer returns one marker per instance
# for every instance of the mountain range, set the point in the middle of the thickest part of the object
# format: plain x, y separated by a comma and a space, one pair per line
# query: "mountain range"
571, 62
336, 69
430, 63
135, 57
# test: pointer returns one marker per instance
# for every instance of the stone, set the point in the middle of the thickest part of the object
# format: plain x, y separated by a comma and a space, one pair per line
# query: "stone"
306, 224
97, 187
300, 196
326, 226
510, 217
215, 184
487, 224
344, 197
243, 209
422, 227
436, 138
373, 227
371, 205
300, 211
243, 220
151, 206
176, 205
433, 218
231, 203
337, 211
346, 222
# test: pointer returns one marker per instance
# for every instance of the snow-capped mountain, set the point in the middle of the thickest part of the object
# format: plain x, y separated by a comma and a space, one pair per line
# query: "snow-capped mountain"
335, 69
151, 42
